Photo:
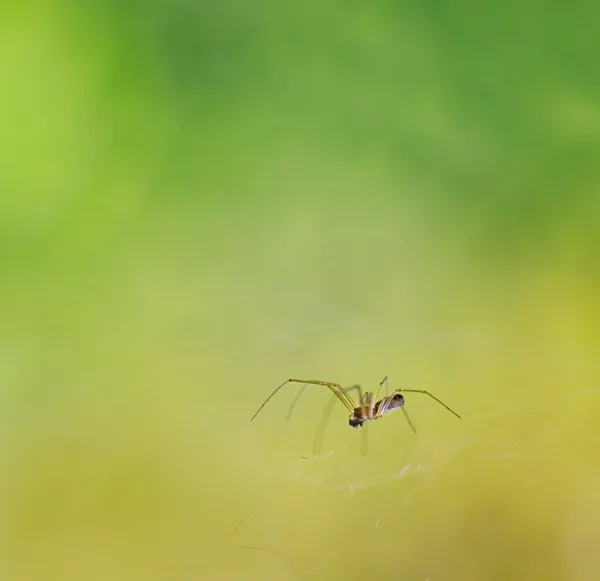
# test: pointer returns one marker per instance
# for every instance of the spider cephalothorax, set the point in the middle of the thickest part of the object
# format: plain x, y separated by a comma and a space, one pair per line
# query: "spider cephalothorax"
356, 419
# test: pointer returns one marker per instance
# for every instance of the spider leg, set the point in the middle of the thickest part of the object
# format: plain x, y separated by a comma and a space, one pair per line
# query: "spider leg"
430, 395
371, 406
337, 389
384, 404
367, 401
357, 388
409, 420
387, 387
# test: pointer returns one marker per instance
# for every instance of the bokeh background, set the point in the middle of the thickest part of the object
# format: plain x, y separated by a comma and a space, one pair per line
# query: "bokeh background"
200, 199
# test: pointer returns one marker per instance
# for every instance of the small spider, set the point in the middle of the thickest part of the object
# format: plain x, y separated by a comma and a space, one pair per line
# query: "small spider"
369, 407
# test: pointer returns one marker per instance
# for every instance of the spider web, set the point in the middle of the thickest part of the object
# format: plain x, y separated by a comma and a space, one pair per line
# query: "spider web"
346, 469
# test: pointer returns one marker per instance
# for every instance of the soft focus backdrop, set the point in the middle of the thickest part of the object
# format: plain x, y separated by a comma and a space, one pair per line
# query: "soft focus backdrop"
200, 199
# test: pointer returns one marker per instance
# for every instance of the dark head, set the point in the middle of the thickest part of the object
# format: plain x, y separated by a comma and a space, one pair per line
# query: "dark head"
356, 419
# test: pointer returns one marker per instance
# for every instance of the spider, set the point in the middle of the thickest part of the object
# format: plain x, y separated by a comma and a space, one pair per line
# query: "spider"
369, 407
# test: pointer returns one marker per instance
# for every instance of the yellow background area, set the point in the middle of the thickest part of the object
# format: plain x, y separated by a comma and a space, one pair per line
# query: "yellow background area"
201, 199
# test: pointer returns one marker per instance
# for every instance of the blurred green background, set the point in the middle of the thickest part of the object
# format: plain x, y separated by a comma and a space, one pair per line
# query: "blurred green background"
201, 199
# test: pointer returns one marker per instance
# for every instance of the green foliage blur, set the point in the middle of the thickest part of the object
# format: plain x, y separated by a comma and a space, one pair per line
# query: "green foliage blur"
201, 199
